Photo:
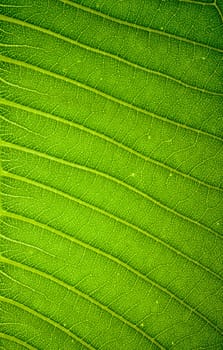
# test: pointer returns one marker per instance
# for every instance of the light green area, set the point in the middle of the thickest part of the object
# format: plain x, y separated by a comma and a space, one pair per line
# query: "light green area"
112, 162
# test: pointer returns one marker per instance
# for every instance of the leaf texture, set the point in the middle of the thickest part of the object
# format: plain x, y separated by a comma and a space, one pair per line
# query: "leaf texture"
111, 178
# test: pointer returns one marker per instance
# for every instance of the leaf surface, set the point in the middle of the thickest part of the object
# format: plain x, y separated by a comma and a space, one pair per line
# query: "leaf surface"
111, 219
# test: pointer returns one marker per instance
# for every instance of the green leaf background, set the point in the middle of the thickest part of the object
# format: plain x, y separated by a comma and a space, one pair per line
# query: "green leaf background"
111, 219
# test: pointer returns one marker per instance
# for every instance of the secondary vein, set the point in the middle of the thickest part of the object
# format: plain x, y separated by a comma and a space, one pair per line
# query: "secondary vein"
105, 213
104, 138
106, 54
137, 26
104, 95
112, 258
111, 178
84, 296
40, 315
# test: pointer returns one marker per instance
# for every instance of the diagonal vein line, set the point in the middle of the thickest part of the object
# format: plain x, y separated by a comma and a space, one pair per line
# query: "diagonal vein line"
15, 6
36, 313
20, 87
197, 2
104, 138
111, 258
107, 54
110, 178
109, 215
124, 184
16, 340
104, 95
137, 26
83, 296
210, 4
26, 245
218, 9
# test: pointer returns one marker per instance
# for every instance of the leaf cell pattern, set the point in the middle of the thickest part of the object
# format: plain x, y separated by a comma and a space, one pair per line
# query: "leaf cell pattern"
111, 175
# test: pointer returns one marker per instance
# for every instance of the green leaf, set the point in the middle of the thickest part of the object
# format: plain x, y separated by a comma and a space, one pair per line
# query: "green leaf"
111, 206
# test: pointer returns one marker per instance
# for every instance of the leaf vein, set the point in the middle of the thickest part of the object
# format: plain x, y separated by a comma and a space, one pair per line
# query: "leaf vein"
104, 95
83, 296
114, 259
38, 314
137, 26
107, 214
105, 138
108, 54
17, 341
111, 178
